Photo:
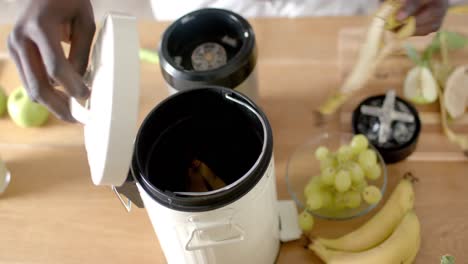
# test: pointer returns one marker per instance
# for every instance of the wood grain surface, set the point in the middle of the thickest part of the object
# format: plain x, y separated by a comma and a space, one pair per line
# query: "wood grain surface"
52, 213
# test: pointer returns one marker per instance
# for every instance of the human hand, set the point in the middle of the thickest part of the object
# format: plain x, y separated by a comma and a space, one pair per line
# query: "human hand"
429, 14
35, 46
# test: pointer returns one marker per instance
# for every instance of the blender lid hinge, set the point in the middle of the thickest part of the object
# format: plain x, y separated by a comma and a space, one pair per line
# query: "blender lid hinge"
128, 204
130, 191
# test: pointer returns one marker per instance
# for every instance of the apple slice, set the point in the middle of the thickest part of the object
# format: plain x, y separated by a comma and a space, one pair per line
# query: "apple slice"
420, 86
24, 112
3, 102
456, 92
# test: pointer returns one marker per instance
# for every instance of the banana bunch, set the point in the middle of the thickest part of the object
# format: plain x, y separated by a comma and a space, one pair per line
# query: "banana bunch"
372, 52
392, 236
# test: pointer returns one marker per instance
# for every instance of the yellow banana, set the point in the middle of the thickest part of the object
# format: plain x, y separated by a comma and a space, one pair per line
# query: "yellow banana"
413, 254
403, 29
380, 226
202, 178
408, 29
398, 248
324, 253
213, 181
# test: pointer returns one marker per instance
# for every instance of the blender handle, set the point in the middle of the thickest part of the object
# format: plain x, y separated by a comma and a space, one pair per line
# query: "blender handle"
192, 244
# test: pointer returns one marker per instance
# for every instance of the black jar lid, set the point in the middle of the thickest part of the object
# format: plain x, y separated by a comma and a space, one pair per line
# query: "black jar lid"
391, 124
208, 47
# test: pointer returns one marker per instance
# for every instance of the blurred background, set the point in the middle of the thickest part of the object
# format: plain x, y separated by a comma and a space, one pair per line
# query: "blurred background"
172, 9
9, 9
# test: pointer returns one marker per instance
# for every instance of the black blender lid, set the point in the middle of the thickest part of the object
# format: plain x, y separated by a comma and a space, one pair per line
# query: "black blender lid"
208, 47
391, 124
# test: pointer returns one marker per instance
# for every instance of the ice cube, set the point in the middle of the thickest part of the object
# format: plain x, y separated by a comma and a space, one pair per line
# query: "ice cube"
401, 133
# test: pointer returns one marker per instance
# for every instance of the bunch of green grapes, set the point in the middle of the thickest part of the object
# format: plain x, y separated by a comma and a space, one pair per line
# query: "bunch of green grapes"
344, 177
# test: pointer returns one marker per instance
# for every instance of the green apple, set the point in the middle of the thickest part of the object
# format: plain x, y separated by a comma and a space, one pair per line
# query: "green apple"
24, 112
420, 86
3, 102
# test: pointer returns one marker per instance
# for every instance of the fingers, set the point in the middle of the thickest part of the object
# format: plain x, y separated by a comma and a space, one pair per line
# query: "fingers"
429, 14
35, 46
428, 20
29, 61
38, 86
15, 57
408, 9
47, 39
82, 33
66, 33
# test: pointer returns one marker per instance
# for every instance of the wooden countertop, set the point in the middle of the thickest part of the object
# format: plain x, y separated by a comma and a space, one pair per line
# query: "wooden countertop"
52, 213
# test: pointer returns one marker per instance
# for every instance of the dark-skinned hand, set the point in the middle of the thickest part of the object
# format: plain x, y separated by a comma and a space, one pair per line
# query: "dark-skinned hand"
429, 14
35, 46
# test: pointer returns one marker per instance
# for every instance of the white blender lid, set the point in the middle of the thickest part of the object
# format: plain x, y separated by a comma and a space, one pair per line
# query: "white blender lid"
111, 113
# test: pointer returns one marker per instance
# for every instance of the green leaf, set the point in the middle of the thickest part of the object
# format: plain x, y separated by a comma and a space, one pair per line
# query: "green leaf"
432, 48
455, 40
413, 54
435, 44
447, 259
425, 63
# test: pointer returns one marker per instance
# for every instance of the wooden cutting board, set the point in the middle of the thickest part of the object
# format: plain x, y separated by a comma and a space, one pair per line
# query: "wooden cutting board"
432, 144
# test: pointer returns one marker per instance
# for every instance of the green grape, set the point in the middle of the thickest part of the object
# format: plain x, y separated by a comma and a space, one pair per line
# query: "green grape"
342, 181
367, 158
328, 176
314, 201
312, 186
352, 199
328, 162
359, 143
321, 153
339, 202
359, 186
345, 154
327, 198
306, 221
374, 172
357, 174
371, 194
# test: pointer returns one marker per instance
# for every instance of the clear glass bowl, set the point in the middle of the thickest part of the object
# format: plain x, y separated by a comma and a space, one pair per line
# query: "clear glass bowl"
303, 165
